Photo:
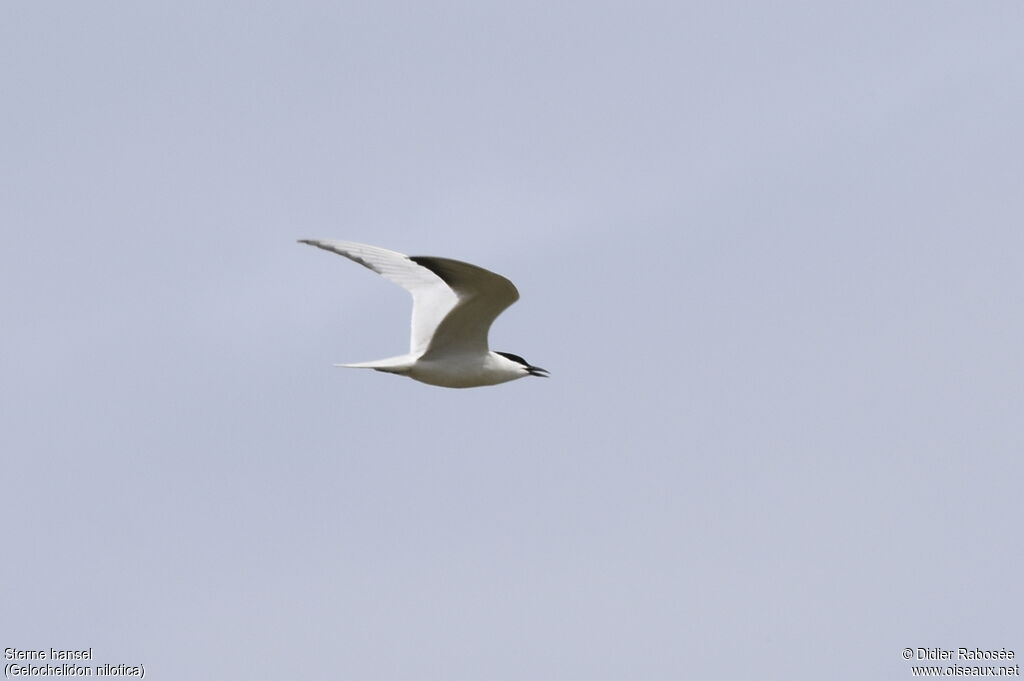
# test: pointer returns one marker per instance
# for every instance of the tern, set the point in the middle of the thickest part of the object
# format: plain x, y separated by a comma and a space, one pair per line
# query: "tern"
453, 306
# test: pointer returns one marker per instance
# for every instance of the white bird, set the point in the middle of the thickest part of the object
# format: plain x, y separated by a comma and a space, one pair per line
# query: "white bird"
453, 306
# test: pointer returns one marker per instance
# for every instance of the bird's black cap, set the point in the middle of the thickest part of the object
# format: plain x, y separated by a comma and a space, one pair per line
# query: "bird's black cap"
534, 371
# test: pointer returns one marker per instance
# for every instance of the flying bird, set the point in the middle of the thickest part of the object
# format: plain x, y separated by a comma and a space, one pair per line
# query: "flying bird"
453, 306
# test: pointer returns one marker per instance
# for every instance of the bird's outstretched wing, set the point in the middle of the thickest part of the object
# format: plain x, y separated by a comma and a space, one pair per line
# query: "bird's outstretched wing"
482, 296
432, 297
453, 303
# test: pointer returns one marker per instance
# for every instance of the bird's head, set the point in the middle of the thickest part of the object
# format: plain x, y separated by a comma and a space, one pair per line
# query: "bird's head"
527, 367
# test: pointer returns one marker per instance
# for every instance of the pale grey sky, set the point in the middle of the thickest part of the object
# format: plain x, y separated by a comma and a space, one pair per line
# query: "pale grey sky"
771, 253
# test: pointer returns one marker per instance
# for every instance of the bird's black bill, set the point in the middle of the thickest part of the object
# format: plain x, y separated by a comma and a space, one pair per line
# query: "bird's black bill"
537, 371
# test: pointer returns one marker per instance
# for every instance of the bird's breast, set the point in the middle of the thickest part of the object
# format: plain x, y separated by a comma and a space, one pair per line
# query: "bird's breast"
460, 372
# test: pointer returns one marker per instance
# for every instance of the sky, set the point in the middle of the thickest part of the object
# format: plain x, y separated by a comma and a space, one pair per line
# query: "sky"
771, 253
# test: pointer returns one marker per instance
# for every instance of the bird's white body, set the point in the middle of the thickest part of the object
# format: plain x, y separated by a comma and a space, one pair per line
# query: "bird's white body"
454, 371
454, 304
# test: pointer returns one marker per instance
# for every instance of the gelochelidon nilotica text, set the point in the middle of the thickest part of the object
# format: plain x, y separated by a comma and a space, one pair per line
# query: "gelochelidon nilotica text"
453, 306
